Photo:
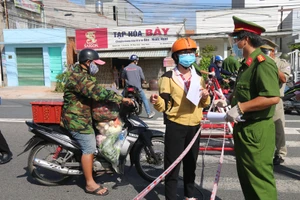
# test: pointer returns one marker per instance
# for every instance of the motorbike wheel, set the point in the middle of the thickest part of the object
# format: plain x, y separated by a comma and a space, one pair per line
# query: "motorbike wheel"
145, 164
46, 151
287, 111
140, 109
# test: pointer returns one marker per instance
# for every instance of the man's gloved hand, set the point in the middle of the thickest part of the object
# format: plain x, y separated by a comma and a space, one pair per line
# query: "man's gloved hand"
220, 103
212, 73
234, 115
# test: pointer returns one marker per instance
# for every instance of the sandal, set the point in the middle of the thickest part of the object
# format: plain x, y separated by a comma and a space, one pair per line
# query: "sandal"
95, 192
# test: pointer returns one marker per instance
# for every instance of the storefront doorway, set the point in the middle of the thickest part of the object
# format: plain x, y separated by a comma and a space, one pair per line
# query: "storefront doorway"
120, 63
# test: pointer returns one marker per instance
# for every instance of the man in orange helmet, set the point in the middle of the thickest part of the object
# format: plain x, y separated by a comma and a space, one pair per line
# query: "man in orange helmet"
182, 95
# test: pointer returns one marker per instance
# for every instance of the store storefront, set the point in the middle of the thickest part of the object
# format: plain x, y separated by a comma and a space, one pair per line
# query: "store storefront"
33, 57
152, 43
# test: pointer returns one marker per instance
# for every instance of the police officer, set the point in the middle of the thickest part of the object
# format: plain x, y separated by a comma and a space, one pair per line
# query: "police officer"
253, 104
231, 64
80, 90
284, 70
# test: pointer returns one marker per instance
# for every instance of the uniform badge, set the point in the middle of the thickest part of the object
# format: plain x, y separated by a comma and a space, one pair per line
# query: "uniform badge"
261, 58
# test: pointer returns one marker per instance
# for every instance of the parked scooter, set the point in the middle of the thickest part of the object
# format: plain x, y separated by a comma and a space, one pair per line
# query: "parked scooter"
56, 156
291, 99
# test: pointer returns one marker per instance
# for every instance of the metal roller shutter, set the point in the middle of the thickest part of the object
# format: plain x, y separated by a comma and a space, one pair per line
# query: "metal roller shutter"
30, 66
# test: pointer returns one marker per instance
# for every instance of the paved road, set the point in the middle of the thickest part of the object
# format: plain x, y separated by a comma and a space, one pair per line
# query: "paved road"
17, 185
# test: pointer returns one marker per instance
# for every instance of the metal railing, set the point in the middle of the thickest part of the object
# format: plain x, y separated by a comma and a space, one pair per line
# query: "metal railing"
295, 64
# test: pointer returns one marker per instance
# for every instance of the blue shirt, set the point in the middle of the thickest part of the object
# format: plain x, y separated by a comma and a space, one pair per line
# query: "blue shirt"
218, 72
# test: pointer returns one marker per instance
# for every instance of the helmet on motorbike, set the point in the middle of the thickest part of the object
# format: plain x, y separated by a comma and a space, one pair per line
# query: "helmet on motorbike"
133, 57
90, 54
219, 58
184, 43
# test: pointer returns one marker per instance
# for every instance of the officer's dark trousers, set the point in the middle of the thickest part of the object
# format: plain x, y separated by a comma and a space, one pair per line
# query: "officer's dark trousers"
254, 145
177, 138
3, 144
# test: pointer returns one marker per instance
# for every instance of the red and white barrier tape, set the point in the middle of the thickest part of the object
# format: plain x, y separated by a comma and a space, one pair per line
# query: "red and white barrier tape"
216, 182
158, 179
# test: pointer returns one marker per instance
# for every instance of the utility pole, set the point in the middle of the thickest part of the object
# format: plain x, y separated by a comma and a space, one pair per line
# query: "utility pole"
281, 21
6, 14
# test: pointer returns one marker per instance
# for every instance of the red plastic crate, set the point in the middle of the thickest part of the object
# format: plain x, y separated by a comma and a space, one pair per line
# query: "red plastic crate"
46, 111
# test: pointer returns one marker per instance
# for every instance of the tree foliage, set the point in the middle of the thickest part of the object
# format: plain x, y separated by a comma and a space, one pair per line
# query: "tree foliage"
61, 80
206, 54
294, 46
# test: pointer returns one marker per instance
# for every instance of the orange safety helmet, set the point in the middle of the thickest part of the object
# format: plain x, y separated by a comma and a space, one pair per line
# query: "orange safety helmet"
183, 43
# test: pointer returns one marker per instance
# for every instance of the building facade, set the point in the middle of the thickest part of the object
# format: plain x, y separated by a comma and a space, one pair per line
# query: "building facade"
288, 15
213, 27
33, 56
152, 43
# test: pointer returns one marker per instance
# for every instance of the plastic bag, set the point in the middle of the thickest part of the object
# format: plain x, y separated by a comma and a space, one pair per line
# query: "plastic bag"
111, 127
110, 147
105, 111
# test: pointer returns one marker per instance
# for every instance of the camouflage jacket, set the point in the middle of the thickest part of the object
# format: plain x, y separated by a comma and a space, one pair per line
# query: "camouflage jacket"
81, 89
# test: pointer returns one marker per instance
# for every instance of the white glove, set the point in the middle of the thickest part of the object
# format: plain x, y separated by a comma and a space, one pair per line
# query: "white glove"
212, 73
220, 103
234, 115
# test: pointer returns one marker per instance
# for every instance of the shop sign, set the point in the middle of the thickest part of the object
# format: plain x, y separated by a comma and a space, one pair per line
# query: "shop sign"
28, 5
169, 62
91, 38
137, 37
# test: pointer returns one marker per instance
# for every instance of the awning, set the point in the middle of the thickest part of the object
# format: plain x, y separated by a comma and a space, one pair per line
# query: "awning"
141, 54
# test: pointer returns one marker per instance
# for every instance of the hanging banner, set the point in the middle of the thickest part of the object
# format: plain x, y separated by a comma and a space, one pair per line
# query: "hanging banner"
135, 37
28, 5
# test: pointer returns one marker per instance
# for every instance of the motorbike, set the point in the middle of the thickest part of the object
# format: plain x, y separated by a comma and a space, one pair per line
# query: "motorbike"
55, 156
132, 92
291, 99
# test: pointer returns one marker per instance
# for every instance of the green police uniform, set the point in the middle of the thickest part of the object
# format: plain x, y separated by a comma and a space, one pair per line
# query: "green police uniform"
254, 139
231, 64
81, 89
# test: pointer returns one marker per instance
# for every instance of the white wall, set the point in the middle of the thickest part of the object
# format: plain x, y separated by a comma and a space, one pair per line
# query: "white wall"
260, 3
220, 45
220, 21
296, 25
255, 3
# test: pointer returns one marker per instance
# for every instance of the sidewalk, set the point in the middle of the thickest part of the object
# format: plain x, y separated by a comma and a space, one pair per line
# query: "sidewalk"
40, 92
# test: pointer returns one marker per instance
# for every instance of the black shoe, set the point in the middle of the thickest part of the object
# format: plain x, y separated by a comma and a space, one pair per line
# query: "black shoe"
277, 160
6, 157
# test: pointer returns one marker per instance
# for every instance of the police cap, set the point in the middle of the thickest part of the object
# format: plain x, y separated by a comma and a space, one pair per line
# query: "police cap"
243, 25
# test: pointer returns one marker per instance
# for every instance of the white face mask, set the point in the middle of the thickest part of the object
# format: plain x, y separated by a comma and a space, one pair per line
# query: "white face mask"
93, 68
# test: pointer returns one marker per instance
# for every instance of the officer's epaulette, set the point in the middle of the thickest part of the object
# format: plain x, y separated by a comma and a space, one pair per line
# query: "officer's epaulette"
260, 58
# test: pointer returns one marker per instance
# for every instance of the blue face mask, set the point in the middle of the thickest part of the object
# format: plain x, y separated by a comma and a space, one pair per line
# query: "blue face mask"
237, 51
93, 68
186, 60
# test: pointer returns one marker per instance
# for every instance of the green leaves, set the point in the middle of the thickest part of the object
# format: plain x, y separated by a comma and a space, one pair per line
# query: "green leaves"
61, 80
